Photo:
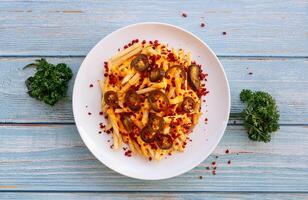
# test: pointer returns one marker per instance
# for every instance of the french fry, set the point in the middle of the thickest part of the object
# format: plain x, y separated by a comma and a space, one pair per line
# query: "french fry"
146, 90
125, 52
149, 51
143, 147
176, 100
116, 134
170, 94
145, 117
119, 60
131, 82
137, 147
127, 78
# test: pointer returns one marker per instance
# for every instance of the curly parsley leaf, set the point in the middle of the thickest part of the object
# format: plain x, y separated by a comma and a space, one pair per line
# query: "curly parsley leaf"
260, 116
50, 82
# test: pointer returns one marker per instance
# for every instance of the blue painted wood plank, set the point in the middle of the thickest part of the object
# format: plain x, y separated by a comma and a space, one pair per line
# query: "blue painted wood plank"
151, 196
285, 79
266, 27
53, 158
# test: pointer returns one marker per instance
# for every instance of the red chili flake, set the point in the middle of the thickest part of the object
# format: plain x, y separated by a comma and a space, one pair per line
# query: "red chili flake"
205, 119
102, 126
125, 46
224, 33
250, 73
202, 76
213, 163
153, 146
229, 162
227, 151
214, 172
150, 42
200, 177
202, 92
156, 43
171, 57
202, 24
150, 158
207, 168
89, 113
105, 74
184, 14
91, 85
161, 65
101, 113
128, 153
112, 79
144, 41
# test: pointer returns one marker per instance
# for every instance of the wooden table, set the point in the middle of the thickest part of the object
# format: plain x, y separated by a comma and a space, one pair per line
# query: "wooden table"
42, 155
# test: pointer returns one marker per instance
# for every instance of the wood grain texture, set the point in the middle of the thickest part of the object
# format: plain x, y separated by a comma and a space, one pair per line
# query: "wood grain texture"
285, 79
72, 27
54, 158
151, 196
268, 38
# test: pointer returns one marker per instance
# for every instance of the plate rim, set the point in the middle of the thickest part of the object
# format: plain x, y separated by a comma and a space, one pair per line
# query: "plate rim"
87, 142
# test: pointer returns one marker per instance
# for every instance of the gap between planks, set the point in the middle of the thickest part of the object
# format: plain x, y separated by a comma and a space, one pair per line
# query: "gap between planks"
149, 192
73, 123
256, 57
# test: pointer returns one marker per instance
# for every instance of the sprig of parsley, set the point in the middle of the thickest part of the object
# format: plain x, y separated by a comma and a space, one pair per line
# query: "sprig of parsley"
50, 82
260, 116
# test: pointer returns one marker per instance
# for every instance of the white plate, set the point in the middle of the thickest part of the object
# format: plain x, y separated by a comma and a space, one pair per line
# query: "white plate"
204, 137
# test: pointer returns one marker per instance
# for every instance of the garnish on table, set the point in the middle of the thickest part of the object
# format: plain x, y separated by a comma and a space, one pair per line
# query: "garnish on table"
50, 82
261, 115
